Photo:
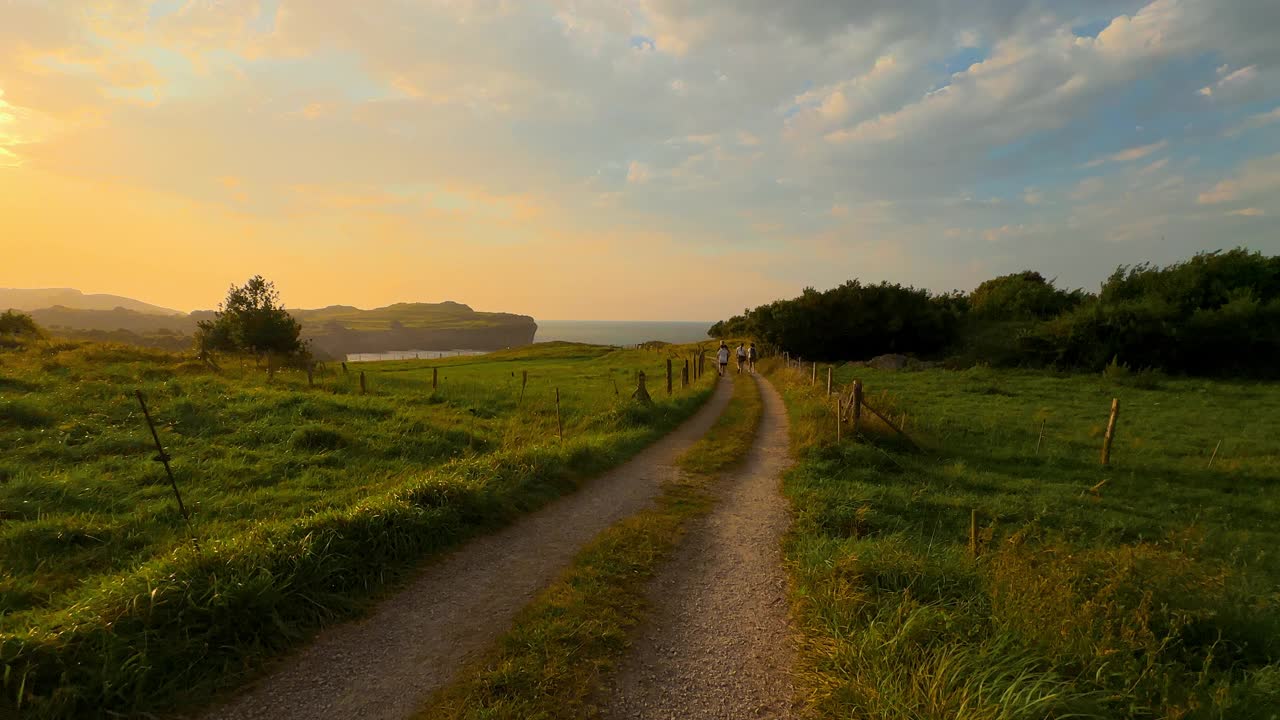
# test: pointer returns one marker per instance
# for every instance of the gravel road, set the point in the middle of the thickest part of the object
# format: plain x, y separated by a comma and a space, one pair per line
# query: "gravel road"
383, 666
718, 643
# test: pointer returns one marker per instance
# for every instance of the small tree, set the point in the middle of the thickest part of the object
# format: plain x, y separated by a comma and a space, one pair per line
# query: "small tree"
18, 324
252, 320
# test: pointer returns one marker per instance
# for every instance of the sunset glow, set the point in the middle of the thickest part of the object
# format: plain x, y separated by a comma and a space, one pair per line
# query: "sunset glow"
644, 159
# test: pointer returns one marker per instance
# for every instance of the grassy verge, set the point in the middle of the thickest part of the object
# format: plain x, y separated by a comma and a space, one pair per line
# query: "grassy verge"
550, 662
1143, 590
308, 501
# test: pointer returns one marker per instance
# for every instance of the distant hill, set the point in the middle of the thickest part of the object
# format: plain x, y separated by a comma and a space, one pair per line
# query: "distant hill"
39, 298
338, 329
334, 331
59, 317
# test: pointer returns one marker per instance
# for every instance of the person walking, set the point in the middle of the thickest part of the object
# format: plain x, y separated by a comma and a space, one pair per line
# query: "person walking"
741, 354
722, 356
751, 358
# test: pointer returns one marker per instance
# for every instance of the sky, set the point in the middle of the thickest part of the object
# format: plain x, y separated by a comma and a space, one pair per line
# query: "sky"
625, 159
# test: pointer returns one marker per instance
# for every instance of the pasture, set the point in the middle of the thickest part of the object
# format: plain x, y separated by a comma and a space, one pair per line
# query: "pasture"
1146, 589
306, 500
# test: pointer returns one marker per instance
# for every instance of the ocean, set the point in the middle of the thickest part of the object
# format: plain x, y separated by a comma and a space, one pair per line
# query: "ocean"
595, 332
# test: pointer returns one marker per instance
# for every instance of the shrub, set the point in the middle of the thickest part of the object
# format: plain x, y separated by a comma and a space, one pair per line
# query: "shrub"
317, 438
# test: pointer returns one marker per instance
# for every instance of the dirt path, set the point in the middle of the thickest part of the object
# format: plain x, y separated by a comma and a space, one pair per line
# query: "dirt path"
718, 644
384, 665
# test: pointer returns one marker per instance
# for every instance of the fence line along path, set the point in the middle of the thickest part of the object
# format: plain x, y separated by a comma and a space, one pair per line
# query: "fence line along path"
383, 666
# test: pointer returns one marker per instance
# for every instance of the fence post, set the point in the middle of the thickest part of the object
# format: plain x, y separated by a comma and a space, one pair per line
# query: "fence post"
815, 373
361, 382
163, 458
857, 405
641, 394
559, 422
839, 417
973, 533
1111, 431
684, 377
668, 377
829, 370
524, 380
344, 367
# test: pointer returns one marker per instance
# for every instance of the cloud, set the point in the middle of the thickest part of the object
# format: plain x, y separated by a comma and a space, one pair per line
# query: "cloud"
1129, 155
1248, 212
1231, 80
1253, 122
1224, 191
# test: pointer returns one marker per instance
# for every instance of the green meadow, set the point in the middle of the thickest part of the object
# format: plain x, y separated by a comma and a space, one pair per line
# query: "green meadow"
1146, 589
306, 501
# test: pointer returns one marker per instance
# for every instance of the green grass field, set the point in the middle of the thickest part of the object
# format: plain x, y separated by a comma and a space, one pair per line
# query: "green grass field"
306, 500
1149, 589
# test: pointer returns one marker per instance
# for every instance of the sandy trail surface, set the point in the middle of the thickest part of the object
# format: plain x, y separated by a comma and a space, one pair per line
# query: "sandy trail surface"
385, 665
718, 643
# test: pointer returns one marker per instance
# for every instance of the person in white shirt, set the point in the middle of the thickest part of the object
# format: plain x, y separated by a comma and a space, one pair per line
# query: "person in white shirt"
723, 357
741, 354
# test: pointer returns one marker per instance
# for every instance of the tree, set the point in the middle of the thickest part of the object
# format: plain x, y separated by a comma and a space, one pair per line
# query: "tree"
19, 324
1021, 296
252, 320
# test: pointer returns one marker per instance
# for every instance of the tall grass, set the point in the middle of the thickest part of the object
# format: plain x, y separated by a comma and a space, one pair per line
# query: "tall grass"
1152, 595
307, 502
573, 633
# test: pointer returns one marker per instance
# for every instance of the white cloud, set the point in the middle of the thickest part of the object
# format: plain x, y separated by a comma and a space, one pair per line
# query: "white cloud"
1248, 212
1224, 191
1231, 80
1253, 122
1129, 155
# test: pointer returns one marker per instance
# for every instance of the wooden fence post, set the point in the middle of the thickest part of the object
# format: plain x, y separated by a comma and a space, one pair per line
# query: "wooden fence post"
668, 377
344, 368
829, 371
435, 378
362, 382
857, 405
839, 417
973, 533
163, 458
684, 377
814, 381
642, 393
1111, 431
559, 422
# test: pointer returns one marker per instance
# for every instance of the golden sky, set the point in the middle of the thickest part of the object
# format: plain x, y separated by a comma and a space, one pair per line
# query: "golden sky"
622, 159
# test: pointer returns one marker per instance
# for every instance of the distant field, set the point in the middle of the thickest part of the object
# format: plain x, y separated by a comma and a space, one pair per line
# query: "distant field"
1150, 589
305, 499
